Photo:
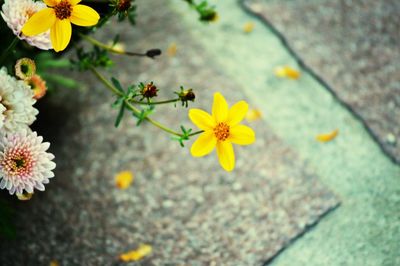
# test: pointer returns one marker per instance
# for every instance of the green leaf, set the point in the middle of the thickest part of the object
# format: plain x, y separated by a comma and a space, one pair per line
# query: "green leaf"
120, 114
117, 84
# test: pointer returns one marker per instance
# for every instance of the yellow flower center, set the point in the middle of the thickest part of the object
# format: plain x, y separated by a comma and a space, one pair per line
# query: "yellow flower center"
63, 10
221, 131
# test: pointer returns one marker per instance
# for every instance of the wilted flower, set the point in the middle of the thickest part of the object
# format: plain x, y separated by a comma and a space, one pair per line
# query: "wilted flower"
25, 163
25, 68
38, 86
16, 104
149, 90
17, 13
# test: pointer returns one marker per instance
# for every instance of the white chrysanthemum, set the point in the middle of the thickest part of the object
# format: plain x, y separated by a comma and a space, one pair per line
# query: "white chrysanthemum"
25, 163
17, 12
16, 104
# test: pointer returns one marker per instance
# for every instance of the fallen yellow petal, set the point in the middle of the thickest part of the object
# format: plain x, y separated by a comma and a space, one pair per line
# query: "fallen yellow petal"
136, 254
123, 179
248, 27
54, 263
287, 72
172, 49
24, 196
253, 115
327, 136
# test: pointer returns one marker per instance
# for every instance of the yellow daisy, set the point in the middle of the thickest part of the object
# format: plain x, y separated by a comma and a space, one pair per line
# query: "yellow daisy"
221, 129
58, 18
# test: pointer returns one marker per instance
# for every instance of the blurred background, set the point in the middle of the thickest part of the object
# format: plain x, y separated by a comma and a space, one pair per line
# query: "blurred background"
319, 187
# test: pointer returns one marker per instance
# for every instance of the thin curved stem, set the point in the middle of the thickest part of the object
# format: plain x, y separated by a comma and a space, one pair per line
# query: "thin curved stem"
155, 103
9, 48
134, 109
108, 47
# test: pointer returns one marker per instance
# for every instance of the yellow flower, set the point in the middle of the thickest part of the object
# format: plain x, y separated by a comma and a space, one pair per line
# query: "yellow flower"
221, 129
58, 18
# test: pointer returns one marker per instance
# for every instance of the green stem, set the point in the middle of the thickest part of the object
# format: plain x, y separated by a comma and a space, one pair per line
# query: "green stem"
155, 103
106, 82
8, 50
133, 108
108, 47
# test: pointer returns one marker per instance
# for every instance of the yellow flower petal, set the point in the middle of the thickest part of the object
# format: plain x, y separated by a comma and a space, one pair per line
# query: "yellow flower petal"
51, 2
74, 2
253, 115
226, 155
40, 22
287, 72
60, 34
204, 144
242, 135
201, 119
172, 49
220, 108
123, 179
237, 112
328, 136
137, 254
248, 27
84, 16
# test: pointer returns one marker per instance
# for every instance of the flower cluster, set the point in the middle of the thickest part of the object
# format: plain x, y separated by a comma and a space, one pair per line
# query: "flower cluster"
25, 163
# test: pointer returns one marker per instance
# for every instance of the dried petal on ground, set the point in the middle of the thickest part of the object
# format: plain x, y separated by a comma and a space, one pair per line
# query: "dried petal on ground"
172, 49
326, 137
248, 27
123, 179
253, 115
137, 254
287, 72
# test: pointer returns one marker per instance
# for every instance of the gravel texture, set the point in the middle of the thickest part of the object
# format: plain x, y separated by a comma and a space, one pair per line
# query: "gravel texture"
354, 47
188, 209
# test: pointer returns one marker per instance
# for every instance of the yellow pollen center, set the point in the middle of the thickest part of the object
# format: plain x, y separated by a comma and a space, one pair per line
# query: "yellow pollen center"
63, 10
221, 131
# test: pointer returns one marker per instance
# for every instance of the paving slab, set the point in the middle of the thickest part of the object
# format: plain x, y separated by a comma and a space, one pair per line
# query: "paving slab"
188, 209
354, 47
364, 230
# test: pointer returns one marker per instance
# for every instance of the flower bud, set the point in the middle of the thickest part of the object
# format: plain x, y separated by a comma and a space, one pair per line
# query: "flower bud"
187, 95
149, 91
123, 5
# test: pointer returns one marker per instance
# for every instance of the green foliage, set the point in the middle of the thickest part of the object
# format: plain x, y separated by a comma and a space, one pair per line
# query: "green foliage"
96, 57
144, 113
124, 9
207, 13
185, 136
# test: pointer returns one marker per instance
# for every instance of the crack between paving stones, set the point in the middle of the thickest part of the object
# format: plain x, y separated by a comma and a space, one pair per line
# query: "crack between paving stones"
312, 73
307, 229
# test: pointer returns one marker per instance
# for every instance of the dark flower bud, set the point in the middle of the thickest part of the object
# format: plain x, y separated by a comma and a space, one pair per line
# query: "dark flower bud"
153, 53
149, 91
123, 5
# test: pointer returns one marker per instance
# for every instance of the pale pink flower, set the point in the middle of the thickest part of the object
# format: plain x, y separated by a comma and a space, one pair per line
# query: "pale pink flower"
17, 12
25, 163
